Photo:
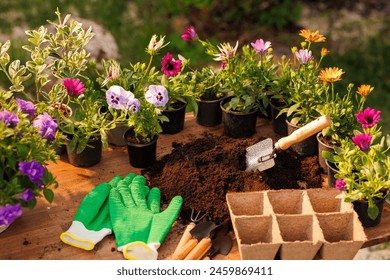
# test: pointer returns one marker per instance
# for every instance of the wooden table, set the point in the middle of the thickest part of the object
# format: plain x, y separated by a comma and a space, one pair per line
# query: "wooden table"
35, 235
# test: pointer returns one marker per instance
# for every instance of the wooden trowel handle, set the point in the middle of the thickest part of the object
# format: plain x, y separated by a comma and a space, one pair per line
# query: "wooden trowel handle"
304, 132
200, 250
184, 250
183, 240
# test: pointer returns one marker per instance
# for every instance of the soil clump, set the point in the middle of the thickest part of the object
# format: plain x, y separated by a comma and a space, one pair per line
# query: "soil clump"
204, 170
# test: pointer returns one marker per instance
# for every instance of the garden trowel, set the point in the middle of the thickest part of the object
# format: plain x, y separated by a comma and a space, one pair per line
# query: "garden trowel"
262, 154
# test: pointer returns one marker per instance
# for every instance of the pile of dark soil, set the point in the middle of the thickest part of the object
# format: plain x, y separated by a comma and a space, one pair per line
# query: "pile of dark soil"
205, 169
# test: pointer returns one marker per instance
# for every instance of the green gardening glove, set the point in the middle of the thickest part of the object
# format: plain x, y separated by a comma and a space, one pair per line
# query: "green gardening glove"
92, 220
138, 224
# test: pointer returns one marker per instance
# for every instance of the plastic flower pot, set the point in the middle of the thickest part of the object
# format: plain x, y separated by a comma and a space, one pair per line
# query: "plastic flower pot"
91, 155
176, 118
141, 155
323, 146
332, 170
238, 124
279, 124
209, 112
361, 208
116, 136
307, 147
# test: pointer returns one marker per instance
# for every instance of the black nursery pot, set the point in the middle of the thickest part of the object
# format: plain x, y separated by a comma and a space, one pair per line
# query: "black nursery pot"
331, 170
176, 118
237, 124
307, 147
209, 112
361, 208
141, 155
279, 124
88, 157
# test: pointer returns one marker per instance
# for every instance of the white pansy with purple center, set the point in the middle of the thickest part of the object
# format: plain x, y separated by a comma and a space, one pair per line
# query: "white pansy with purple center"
117, 97
157, 95
133, 105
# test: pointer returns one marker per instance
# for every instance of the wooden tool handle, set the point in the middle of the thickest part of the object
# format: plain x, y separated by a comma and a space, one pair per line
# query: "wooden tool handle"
184, 239
304, 132
184, 250
199, 250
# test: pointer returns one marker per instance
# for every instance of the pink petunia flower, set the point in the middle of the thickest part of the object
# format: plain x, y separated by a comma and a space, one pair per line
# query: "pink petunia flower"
170, 66
189, 33
74, 87
363, 141
368, 117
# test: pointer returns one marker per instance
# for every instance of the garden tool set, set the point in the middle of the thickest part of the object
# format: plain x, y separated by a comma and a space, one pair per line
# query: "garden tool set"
262, 154
129, 209
208, 239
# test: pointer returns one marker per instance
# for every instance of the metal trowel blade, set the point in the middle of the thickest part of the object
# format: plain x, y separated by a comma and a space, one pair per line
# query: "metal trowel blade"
259, 156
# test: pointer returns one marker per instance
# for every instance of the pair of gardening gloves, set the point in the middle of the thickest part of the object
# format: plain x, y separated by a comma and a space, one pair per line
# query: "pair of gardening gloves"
127, 207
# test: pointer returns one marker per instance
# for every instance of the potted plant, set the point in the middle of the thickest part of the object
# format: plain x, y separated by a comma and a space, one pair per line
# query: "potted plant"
27, 137
341, 108
362, 164
134, 96
305, 90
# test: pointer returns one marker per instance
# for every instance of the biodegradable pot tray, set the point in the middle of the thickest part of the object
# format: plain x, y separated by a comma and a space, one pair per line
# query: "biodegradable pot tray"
295, 225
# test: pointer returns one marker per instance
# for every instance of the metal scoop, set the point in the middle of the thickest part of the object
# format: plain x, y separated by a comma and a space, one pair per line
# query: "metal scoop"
262, 154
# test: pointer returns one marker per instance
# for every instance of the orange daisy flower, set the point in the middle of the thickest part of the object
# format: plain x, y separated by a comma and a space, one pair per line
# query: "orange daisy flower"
331, 75
364, 90
324, 52
311, 36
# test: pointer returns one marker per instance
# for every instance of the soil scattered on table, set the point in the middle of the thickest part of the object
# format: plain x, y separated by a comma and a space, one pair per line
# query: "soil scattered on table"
204, 170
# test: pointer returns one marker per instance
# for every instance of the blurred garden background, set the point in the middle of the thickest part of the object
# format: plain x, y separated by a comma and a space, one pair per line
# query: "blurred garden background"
357, 31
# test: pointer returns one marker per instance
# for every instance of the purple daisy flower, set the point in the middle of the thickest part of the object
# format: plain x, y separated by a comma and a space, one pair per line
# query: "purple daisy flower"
260, 46
189, 33
33, 169
363, 141
74, 87
369, 117
47, 126
157, 95
341, 185
10, 213
170, 66
26, 107
303, 56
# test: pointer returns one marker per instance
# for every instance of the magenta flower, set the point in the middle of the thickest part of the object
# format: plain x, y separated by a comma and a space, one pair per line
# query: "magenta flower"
363, 141
157, 95
47, 126
74, 87
134, 105
33, 169
10, 213
303, 56
189, 33
10, 119
369, 117
26, 107
170, 66
341, 185
260, 46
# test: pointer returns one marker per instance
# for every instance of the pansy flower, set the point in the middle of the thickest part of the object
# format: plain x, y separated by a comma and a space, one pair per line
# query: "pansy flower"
117, 97
157, 95
133, 105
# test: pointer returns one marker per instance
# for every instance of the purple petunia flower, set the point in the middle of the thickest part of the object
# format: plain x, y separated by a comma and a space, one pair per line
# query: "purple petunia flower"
26, 107
157, 95
47, 126
369, 117
10, 119
10, 213
170, 66
74, 87
27, 195
33, 169
341, 185
189, 33
117, 97
363, 141
260, 46
303, 56
133, 105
